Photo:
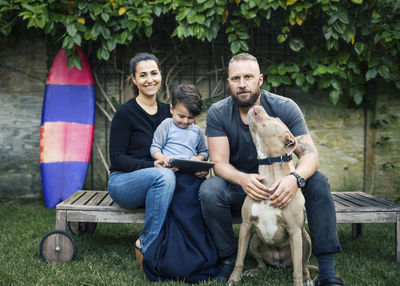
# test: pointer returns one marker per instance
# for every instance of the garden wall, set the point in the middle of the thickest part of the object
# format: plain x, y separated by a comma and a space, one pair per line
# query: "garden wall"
337, 131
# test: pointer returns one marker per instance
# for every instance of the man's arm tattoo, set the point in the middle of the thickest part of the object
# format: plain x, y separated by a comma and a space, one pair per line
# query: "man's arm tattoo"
305, 147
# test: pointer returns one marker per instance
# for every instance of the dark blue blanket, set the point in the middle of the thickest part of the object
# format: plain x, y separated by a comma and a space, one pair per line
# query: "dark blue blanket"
184, 250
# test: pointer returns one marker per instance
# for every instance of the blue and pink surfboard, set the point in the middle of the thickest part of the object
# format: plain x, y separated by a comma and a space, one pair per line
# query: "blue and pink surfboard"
67, 126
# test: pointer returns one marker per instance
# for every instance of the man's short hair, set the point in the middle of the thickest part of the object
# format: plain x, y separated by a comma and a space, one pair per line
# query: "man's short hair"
243, 57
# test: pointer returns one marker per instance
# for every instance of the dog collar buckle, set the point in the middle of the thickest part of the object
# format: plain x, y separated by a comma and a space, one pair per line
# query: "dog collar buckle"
270, 160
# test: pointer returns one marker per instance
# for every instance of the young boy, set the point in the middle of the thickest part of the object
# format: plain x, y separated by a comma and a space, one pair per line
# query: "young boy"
178, 137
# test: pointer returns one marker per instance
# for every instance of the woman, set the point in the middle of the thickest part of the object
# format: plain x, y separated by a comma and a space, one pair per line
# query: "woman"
136, 180
175, 243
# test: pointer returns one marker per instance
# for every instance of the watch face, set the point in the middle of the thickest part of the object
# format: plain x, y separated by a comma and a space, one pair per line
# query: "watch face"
301, 182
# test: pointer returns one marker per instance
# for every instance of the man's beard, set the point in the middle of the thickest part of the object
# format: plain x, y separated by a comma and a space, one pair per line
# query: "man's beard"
249, 102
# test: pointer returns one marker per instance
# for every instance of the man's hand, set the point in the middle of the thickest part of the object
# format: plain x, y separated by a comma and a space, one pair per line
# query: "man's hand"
253, 186
201, 174
283, 191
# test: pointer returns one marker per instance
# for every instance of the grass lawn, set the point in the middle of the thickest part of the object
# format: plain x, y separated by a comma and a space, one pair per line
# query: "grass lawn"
107, 256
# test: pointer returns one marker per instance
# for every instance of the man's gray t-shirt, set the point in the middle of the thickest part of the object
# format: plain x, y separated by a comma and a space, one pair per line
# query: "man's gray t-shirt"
223, 119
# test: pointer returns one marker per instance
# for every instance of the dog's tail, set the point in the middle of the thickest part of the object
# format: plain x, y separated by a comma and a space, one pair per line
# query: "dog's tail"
313, 268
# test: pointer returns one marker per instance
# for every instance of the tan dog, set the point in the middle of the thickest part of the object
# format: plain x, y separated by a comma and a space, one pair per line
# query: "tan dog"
280, 238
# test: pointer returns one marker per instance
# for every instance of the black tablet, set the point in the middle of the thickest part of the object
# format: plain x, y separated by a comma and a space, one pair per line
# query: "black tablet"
190, 166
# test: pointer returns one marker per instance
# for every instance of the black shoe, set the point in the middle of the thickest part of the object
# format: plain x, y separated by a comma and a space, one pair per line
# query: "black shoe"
226, 268
334, 281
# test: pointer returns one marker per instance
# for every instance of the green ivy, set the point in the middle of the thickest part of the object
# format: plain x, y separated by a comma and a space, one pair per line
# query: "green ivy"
333, 45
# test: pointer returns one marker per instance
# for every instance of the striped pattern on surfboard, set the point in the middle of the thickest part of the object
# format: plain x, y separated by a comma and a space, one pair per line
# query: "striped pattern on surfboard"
67, 127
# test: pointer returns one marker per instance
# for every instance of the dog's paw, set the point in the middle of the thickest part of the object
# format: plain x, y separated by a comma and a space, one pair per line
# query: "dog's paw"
308, 283
252, 272
234, 278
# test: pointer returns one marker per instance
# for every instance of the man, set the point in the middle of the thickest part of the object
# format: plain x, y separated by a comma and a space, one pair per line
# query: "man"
236, 166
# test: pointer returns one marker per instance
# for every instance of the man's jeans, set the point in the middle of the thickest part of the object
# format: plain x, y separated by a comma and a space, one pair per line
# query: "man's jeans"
220, 199
150, 187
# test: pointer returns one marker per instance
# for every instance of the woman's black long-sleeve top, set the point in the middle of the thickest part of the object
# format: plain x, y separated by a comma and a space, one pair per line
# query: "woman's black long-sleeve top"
131, 135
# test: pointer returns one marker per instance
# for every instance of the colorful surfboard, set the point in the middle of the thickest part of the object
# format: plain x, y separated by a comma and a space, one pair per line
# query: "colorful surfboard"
67, 126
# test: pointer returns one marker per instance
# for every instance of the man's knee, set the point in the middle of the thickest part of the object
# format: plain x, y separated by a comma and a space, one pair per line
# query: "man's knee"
318, 192
210, 188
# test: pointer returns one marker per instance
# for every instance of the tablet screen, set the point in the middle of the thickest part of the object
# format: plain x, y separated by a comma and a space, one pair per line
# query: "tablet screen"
191, 166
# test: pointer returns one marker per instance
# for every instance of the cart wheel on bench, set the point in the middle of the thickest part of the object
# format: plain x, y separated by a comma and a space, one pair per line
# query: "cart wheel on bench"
82, 227
58, 246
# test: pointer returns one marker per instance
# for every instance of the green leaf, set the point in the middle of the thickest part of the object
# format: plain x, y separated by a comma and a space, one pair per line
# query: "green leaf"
336, 84
310, 78
244, 46
157, 11
71, 30
105, 17
334, 97
300, 80
274, 80
357, 95
235, 47
74, 61
371, 74
281, 38
124, 36
286, 80
103, 54
384, 71
343, 18
359, 48
78, 39
232, 37
296, 44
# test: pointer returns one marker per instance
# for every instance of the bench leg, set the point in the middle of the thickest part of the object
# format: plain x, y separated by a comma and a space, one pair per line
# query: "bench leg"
61, 220
397, 237
357, 230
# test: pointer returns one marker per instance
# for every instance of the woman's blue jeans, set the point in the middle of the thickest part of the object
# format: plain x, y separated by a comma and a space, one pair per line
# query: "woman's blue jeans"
151, 188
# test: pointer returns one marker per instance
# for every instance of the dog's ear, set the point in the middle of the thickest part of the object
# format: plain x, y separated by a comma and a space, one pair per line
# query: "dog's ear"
291, 143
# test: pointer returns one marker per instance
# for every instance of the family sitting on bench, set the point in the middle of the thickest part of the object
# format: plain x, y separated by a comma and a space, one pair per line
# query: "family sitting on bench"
187, 233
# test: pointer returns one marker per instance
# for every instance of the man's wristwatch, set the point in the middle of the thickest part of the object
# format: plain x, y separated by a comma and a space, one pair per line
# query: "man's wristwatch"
301, 182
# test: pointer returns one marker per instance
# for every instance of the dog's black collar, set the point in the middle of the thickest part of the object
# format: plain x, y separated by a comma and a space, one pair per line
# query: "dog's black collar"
271, 160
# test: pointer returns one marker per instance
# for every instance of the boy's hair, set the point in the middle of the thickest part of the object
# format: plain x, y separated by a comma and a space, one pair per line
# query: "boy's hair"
188, 95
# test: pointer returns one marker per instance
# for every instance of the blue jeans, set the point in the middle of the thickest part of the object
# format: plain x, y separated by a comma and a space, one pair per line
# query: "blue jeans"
151, 188
220, 199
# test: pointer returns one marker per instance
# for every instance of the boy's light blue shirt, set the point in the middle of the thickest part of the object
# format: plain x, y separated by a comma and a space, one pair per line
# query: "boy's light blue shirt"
176, 142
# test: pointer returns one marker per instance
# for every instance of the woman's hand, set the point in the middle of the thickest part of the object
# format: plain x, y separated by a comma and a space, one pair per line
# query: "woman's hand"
159, 163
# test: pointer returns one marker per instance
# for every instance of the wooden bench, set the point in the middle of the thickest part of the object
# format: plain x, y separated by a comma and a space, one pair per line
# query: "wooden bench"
356, 208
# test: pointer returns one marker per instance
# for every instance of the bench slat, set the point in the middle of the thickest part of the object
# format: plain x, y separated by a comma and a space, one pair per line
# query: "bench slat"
73, 198
97, 199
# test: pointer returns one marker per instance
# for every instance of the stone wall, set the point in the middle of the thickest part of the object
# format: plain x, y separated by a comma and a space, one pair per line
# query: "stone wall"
337, 131
23, 70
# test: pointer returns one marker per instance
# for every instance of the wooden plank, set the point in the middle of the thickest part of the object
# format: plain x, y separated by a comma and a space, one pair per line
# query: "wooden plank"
71, 198
84, 199
366, 217
136, 216
61, 220
356, 199
97, 198
380, 200
368, 201
397, 237
354, 202
343, 203
108, 201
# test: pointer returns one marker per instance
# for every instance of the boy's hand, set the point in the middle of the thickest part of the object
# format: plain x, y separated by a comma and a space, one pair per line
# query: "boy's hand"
198, 158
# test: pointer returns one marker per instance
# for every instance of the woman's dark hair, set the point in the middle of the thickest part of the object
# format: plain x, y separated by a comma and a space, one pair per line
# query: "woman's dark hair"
139, 57
188, 95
